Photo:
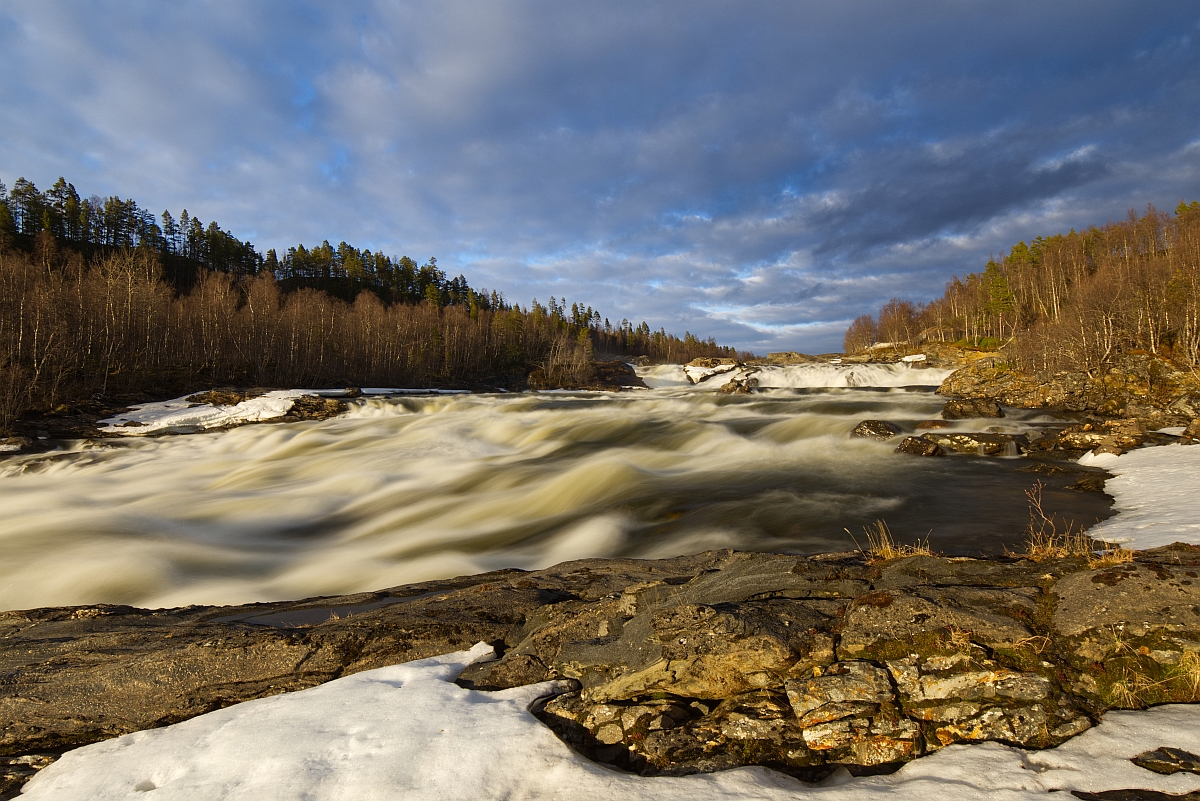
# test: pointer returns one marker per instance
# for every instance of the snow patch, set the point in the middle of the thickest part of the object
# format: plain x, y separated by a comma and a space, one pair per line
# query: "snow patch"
797, 376
181, 414
408, 732
1155, 493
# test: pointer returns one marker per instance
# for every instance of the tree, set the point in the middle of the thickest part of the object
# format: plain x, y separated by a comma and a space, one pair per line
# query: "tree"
861, 334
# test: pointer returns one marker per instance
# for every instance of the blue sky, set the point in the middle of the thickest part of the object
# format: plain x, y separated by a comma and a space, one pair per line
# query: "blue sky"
761, 172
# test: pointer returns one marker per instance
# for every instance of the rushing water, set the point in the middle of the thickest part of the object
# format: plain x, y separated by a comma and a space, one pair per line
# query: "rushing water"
411, 488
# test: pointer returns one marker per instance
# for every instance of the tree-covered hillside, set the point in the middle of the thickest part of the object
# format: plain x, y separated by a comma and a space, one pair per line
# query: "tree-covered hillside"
97, 297
1068, 301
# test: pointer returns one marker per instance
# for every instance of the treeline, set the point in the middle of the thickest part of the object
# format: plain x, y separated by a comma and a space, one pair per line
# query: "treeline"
78, 322
1069, 301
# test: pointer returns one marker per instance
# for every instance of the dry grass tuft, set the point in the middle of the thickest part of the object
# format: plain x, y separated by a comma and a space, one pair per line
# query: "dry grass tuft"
1044, 539
882, 545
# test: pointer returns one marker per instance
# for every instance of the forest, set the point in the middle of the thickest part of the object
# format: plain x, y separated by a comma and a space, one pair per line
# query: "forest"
1067, 302
97, 299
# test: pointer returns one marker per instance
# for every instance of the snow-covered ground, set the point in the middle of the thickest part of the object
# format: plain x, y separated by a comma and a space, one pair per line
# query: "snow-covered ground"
796, 376
1155, 492
181, 414
408, 732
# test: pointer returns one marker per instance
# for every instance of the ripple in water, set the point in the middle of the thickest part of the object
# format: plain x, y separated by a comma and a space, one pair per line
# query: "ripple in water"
408, 489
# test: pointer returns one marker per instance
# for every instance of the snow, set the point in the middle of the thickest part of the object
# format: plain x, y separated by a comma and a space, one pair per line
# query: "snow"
181, 414
698, 374
397, 391
408, 732
797, 376
1155, 493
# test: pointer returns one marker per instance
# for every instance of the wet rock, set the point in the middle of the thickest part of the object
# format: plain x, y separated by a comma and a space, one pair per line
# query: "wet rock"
739, 386
1191, 434
1168, 761
979, 443
919, 446
14, 444
966, 408
876, 429
926, 425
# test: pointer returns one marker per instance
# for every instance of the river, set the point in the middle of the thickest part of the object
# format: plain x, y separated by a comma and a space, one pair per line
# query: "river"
409, 488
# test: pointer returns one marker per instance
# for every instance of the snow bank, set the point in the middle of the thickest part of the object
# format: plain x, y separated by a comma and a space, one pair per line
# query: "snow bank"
408, 732
794, 376
1155, 490
181, 414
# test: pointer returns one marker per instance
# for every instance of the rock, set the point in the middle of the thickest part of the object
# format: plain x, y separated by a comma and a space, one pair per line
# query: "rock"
932, 424
681, 665
739, 386
1132, 381
704, 368
980, 444
966, 408
14, 444
919, 446
845, 689
876, 429
1168, 761
1191, 434
790, 357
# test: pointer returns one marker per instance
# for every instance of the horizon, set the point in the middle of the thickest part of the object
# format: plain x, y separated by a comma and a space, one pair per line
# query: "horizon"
758, 177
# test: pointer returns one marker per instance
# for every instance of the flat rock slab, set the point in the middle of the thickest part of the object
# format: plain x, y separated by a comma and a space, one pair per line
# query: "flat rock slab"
690, 664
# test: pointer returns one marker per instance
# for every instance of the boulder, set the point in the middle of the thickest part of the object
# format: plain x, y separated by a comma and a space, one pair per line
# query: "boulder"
979, 443
1191, 434
876, 429
926, 425
966, 408
919, 446
739, 386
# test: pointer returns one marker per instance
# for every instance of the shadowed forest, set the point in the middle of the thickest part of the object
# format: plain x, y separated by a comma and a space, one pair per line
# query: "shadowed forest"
98, 298
1070, 301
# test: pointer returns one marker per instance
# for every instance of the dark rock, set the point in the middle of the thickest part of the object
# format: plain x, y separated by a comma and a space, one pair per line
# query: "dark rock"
932, 425
919, 446
1090, 482
876, 429
1167, 761
967, 408
1135, 795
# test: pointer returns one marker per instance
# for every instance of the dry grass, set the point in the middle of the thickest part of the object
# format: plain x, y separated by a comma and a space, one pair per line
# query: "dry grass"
882, 545
1180, 684
1047, 538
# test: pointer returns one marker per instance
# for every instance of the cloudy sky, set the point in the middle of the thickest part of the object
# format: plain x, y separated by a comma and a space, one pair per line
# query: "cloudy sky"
761, 172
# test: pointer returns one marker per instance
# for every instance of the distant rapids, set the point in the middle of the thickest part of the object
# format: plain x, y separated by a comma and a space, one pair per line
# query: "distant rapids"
411, 488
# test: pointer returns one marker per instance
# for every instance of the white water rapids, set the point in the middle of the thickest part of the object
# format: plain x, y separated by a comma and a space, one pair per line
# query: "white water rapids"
411, 488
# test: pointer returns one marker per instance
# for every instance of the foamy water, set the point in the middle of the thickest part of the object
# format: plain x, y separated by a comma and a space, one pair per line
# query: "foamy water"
411, 488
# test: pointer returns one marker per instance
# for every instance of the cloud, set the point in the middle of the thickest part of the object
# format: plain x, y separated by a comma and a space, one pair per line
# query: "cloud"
758, 173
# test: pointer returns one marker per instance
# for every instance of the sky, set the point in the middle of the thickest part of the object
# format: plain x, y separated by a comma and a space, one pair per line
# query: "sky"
758, 172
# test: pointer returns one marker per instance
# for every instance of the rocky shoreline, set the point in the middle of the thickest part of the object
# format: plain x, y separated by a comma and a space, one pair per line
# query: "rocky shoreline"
699, 663
681, 665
